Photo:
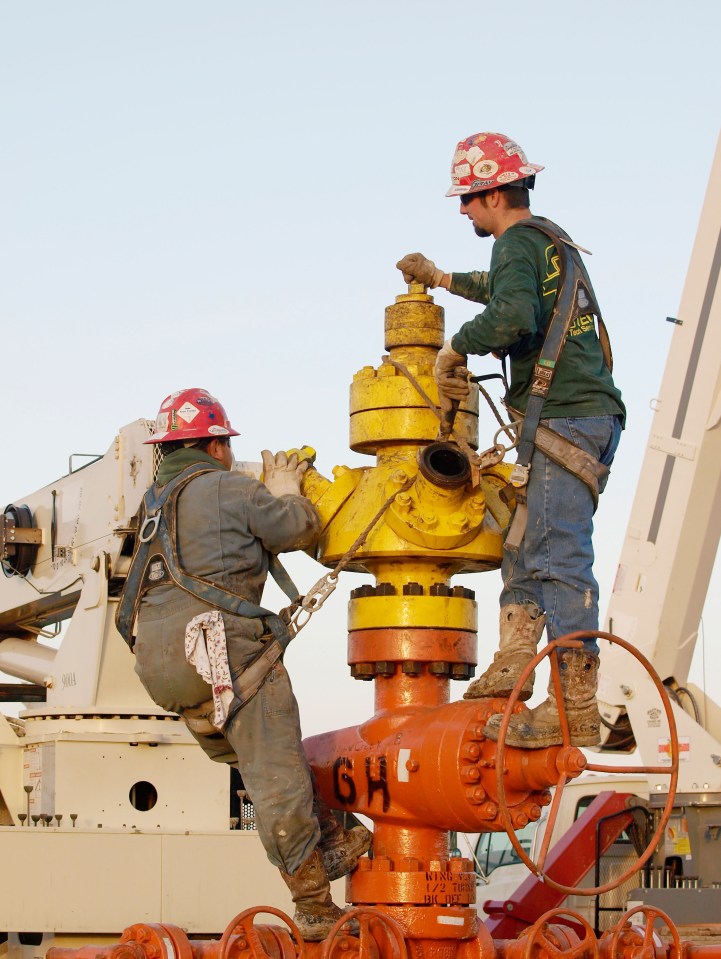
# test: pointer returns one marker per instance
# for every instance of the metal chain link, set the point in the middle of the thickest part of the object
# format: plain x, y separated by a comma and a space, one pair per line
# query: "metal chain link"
483, 460
299, 615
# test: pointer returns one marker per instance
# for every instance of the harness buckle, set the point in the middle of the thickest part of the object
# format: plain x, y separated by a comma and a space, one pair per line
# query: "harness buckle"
311, 602
319, 592
149, 529
519, 476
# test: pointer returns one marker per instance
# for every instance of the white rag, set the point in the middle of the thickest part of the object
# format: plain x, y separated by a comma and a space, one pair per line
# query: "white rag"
206, 650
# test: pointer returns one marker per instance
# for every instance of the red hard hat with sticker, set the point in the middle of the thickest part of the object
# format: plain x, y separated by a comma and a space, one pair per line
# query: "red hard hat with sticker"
190, 415
486, 161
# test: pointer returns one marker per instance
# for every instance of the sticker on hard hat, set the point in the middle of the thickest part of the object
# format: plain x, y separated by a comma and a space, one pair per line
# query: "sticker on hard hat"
513, 149
463, 169
507, 177
527, 170
161, 424
485, 168
218, 430
188, 412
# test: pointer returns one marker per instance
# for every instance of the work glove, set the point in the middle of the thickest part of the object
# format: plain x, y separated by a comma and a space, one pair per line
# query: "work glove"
416, 268
451, 375
282, 474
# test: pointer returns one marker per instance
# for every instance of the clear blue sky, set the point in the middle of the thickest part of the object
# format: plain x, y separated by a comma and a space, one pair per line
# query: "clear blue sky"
216, 194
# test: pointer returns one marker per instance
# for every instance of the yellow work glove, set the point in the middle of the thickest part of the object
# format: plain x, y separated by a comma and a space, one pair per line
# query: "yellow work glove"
282, 474
451, 376
417, 268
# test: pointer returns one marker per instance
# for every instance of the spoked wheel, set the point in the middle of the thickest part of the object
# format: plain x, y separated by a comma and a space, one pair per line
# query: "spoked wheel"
264, 942
540, 938
574, 641
372, 926
636, 942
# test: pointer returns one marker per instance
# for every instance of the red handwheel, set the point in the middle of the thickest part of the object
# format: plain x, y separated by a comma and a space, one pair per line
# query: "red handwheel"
574, 641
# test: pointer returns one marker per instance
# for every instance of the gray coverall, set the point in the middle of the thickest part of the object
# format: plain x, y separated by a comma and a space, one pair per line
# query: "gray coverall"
227, 525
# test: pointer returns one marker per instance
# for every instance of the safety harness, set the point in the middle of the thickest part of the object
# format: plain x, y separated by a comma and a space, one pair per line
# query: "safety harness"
156, 562
574, 298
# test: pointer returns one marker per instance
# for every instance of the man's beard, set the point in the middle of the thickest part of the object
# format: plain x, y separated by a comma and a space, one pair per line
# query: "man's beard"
480, 232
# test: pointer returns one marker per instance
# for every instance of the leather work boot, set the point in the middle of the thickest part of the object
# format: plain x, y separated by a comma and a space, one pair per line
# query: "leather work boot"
340, 848
540, 727
520, 628
315, 911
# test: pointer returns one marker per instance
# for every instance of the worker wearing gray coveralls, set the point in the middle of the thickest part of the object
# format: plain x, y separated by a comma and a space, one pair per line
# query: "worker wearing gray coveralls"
228, 525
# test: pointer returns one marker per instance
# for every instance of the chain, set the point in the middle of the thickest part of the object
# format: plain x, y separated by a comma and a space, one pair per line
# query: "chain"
489, 457
299, 614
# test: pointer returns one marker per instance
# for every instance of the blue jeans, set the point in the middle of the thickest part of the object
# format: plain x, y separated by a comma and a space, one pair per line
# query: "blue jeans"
553, 568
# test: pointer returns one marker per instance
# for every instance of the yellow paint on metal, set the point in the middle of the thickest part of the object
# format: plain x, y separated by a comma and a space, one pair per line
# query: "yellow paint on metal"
390, 538
437, 612
385, 406
328, 497
428, 533
414, 320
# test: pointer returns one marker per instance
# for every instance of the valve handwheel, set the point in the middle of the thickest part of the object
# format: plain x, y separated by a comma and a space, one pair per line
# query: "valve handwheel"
574, 641
538, 936
243, 923
623, 929
367, 940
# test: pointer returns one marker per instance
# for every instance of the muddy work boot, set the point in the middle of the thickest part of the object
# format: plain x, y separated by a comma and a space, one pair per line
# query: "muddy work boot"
315, 911
541, 727
520, 628
340, 848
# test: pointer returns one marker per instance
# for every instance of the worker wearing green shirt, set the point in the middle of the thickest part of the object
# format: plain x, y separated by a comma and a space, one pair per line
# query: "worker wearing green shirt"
548, 579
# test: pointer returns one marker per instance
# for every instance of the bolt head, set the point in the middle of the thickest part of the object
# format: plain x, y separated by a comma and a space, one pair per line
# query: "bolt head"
458, 521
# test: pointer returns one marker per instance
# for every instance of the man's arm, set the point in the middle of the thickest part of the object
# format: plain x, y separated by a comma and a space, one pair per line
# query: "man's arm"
282, 523
417, 268
278, 515
514, 309
471, 286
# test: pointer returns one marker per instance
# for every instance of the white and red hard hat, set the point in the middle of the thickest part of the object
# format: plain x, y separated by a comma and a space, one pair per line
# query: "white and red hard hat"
190, 415
486, 161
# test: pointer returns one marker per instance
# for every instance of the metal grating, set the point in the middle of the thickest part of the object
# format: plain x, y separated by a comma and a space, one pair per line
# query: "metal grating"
611, 905
157, 452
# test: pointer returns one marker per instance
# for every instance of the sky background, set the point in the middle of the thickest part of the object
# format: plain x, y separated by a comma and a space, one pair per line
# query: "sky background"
216, 193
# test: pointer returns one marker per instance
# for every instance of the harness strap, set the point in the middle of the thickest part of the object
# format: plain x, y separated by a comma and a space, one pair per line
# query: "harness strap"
156, 560
572, 458
575, 297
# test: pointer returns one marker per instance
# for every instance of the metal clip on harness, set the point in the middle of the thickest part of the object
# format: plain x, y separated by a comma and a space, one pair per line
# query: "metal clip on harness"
149, 529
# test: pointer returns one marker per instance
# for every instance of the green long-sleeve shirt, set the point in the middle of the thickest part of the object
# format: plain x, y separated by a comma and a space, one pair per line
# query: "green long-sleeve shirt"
520, 290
